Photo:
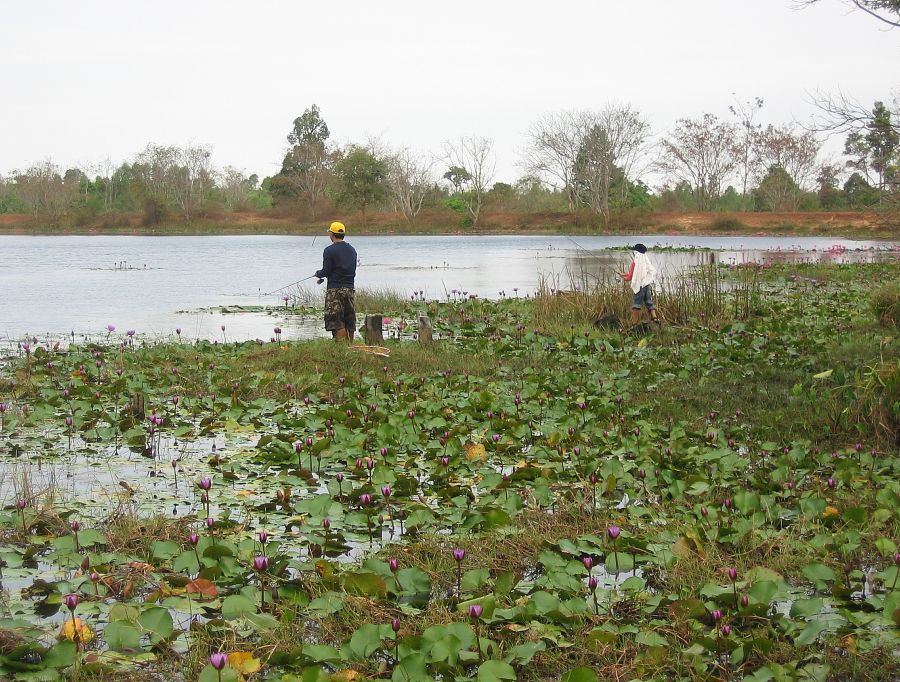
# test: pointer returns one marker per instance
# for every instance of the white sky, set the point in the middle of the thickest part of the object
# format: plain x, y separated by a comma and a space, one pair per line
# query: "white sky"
82, 81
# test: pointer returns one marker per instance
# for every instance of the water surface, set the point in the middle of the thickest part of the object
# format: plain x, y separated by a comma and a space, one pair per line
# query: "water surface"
56, 286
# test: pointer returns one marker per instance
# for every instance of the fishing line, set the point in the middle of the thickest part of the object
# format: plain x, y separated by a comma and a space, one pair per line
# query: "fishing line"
275, 291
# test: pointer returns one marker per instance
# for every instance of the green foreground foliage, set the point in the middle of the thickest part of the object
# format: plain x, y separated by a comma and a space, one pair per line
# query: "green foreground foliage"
714, 500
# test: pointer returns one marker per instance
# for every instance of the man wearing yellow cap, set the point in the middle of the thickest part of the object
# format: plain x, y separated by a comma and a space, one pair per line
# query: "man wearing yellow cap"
339, 268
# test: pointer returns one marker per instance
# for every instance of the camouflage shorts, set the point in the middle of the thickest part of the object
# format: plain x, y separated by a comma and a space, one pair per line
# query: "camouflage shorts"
339, 310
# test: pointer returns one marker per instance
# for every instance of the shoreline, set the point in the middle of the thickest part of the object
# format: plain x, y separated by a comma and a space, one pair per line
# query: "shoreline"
845, 225
229, 231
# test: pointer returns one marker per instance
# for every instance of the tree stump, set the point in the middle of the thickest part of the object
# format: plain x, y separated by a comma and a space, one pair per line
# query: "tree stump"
426, 331
373, 331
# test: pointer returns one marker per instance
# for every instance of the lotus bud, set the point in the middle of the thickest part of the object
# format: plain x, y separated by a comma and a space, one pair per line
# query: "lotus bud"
588, 562
71, 601
395, 624
613, 532
218, 660
732, 574
394, 565
260, 563
459, 555
475, 611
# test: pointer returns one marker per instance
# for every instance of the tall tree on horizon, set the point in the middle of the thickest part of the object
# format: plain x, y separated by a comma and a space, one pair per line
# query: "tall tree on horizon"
307, 164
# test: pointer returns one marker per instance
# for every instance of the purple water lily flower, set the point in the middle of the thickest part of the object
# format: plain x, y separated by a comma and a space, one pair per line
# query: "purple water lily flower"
218, 660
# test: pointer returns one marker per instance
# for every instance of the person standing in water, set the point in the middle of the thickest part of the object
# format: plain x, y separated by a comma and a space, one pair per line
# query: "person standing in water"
339, 268
642, 277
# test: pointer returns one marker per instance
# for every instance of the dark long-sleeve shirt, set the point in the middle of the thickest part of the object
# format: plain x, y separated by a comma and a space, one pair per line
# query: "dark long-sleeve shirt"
339, 266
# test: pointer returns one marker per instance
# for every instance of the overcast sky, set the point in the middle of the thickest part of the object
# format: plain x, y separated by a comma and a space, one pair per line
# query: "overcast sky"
86, 80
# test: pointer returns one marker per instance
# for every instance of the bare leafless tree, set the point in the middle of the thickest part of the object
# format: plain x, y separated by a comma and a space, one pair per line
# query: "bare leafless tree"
700, 152
841, 114
106, 170
44, 192
235, 187
180, 176
551, 154
580, 152
192, 179
886, 11
154, 167
471, 169
790, 149
746, 113
409, 178
612, 144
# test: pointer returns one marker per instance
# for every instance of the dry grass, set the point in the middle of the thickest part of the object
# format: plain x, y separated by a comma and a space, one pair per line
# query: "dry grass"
703, 295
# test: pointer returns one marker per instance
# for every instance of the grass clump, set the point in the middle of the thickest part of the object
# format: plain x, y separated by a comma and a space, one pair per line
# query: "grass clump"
885, 303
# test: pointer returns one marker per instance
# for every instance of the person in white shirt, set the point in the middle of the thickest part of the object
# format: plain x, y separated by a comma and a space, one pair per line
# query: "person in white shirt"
642, 276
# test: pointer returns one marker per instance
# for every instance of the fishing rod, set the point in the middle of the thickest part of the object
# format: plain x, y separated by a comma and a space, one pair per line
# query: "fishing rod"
603, 267
275, 291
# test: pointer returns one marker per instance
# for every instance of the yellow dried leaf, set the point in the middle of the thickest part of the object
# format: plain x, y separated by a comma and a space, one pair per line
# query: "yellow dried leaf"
70, 627
830, 512
345, 676
244, 663
245, 493
475, 452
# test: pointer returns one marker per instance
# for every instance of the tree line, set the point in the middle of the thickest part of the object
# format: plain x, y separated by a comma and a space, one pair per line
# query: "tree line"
594, 161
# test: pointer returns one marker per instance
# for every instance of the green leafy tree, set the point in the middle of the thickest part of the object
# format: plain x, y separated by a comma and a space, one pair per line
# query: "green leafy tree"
502, 196
359, 179
875, 150
859, 193
777, 191
306, 166
457, 177
830, 195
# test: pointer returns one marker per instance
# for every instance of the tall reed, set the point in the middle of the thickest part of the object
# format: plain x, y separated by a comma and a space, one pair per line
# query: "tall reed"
706, 293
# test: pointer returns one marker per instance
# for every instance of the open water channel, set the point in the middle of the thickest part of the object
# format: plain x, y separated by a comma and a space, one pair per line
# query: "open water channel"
60, 286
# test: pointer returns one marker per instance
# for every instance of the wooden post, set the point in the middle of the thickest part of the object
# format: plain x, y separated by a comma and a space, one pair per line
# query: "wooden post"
373, 331
426, 331
137, 406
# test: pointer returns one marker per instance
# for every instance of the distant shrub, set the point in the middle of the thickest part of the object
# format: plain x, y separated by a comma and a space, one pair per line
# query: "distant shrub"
154, 212
727, 224
886, 304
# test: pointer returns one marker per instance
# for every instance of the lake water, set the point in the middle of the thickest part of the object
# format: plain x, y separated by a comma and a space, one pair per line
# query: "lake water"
51, 287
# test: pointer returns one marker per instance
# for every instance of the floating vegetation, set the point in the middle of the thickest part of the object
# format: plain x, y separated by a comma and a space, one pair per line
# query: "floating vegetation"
528, 497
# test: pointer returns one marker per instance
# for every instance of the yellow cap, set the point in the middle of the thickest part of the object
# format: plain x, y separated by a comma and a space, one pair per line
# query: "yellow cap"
337, 228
